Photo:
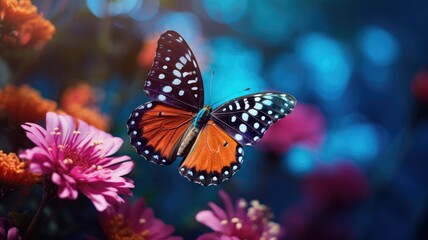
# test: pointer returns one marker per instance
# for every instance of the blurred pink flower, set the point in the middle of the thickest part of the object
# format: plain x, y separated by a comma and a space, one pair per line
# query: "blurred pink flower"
306, 125
250, 223
341, 184
134, 221
419, 86
7, 230
77, 157
328, 194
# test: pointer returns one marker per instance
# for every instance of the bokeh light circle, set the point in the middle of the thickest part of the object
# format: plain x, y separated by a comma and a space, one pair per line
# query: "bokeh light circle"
328, 63
225, 11
378, 45
186, 23
104, 8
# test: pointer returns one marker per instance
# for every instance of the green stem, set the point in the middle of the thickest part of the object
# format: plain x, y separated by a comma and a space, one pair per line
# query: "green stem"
45, 198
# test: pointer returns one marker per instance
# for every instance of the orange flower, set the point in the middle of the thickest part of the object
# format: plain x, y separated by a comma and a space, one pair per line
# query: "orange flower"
24, 104
14, 172
20, 25
80, 102
148, 51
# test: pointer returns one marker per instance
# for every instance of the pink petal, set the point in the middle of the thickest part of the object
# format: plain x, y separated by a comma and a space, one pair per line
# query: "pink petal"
106, 162
36, 134
218, 211
209, 219
13, 234
66, 186
227, 203
122, 169
96, 195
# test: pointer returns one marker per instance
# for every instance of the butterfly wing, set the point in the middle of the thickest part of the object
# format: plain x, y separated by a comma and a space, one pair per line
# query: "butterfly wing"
156, 129
214, 157
175, 77
248, 117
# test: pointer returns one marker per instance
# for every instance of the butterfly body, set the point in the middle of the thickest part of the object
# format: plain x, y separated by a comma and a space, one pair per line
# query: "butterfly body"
192, 132
177, 123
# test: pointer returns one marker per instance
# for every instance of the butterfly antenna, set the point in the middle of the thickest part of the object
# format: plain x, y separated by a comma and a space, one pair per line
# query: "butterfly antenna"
211, 86
222, 99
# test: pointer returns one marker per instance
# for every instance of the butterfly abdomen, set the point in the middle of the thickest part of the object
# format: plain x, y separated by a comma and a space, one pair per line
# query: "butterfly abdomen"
188, 140
192, 133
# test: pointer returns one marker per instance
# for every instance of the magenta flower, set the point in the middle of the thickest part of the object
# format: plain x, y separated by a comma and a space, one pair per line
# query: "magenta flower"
135, 221
77, 157
8, 230
341, 184
329, 193
306, 125
254, 222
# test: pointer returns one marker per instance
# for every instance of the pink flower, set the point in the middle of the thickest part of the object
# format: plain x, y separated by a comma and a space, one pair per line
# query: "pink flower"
328, 194
341, 184
306, 125
419, 86
135, 221
8, 230
77, 157
250, 223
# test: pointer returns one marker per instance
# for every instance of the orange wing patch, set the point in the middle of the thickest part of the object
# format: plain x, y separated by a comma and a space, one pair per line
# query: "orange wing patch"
214, 157
156, 130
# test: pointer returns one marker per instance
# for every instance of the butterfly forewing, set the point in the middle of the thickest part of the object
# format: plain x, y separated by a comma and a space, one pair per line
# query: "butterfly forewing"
247, 118
156, 130
175, 77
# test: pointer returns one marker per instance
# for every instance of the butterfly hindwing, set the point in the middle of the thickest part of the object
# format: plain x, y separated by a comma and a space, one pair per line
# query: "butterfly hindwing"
214, 157
156, 130
248, 117
175, 77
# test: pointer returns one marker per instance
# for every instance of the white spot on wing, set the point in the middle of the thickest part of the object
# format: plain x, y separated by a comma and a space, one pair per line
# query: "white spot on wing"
183, 60
237, 105
176, 73
181, 92
253, 112
162, 97
176, 81
247, 105
179, 65
258, 106
167, 89
238, 137
245, 116
242, 128
267, 102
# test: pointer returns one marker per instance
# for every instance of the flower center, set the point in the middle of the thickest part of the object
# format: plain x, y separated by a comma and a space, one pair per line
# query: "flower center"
72, 155
117, 229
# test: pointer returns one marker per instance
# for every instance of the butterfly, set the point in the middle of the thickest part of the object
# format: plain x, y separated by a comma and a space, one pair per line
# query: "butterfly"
176, 123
